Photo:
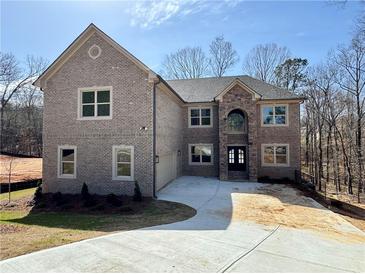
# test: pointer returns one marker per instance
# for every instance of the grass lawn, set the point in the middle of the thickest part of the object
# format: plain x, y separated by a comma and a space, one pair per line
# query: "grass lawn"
17, 194
23, 230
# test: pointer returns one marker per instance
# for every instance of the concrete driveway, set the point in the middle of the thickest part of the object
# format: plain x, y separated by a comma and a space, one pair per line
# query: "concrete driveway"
239, 227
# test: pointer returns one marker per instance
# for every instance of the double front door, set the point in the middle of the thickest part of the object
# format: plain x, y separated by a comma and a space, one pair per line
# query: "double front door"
237, 158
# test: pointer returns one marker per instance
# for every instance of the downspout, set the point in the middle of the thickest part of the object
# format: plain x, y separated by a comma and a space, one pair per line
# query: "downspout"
154, 138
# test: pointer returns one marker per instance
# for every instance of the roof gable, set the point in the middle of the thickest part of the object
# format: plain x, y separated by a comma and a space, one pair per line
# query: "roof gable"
238, 82
77, 43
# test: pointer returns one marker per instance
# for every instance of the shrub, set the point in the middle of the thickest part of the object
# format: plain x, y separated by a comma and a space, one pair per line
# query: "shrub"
137, 193
114, 200
85, 192
58, 198
89, 202
38, 194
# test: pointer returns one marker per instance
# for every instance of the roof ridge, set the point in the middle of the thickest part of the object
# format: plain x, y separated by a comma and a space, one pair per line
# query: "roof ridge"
210, 77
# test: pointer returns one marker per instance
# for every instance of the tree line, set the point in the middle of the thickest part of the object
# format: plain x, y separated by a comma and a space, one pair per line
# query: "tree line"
21, 105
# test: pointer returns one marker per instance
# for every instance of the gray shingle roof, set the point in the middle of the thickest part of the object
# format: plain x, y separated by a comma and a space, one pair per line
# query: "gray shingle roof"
206, 89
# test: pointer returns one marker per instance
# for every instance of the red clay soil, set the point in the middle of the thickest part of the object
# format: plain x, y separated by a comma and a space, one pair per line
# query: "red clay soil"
23, 169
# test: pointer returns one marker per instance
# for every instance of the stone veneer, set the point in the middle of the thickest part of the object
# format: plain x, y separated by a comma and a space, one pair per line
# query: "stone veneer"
238, 98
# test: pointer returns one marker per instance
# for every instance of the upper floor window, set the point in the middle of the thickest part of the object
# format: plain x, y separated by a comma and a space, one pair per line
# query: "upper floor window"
200, 117
274, 115
236, 121
67, 162
95, 103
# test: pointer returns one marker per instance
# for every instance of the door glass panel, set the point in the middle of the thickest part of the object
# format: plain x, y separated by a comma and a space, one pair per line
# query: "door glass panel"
241, 156
231, 156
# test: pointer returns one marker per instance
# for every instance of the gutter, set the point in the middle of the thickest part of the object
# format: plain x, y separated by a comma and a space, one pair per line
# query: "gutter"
154, 138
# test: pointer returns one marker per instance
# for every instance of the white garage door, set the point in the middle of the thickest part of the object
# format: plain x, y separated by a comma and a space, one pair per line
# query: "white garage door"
165, 170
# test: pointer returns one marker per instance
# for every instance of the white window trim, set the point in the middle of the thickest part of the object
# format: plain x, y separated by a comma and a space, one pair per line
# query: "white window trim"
114, 164
201, 163
59, 161
200, 117
79, 104
287, 164
275, 105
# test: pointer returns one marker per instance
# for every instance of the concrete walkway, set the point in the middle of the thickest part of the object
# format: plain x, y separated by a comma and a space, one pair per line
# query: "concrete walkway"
208, 242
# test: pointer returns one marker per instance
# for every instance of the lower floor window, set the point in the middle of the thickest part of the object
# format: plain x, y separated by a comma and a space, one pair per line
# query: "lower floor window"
67, 161
123, 163
275, 155
200, 154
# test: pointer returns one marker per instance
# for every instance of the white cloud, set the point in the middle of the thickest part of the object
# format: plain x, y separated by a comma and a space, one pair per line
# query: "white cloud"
148, 14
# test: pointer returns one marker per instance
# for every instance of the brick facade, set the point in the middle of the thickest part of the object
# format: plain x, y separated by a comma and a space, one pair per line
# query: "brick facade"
132, 109
132, 124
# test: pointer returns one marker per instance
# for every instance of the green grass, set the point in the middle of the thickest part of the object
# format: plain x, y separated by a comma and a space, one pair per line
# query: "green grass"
15, 195
25, 231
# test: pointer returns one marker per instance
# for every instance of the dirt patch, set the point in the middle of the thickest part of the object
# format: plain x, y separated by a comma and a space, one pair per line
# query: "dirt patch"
23, 169
8, 228
278, 204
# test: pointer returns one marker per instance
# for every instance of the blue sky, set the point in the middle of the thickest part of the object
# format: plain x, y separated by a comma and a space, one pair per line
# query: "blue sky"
151, 29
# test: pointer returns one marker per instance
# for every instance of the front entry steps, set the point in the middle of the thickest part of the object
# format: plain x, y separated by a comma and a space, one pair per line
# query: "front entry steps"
237, 175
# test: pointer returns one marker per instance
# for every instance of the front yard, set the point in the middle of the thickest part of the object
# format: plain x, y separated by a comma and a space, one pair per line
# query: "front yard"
24, 230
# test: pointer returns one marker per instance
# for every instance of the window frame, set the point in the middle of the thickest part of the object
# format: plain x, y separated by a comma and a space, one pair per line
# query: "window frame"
200, 117
262, 106
201, 163
115, 177
59, 162
95, 90
275, 145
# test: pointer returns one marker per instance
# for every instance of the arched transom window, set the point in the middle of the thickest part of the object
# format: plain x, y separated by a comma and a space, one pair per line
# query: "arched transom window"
236, 121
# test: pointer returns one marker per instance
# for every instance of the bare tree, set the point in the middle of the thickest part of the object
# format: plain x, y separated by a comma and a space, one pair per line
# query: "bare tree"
351, 61
222, 56
262, 60
13, 78
186, 63
9, 165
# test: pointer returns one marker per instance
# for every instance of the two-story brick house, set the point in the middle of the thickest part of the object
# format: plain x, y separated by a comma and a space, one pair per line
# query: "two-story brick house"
109, 120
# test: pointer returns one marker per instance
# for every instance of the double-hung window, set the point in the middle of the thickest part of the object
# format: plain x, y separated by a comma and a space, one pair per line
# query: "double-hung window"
123, 163
200, 117
67, 162
200, 154
275, 155
274, 115
95, 103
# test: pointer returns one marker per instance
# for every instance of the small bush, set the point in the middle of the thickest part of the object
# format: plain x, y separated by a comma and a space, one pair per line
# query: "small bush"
59, 198
137, 197
38, 194
89, 202
114, 200
85, 192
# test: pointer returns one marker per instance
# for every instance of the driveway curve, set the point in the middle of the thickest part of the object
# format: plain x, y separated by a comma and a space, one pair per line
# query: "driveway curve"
229, 233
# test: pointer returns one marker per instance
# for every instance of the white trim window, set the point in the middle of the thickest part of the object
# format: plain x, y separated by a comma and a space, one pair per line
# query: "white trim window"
275, 154
67, 162
200, 116
200, 154
274, 115
123, 163
95, 103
